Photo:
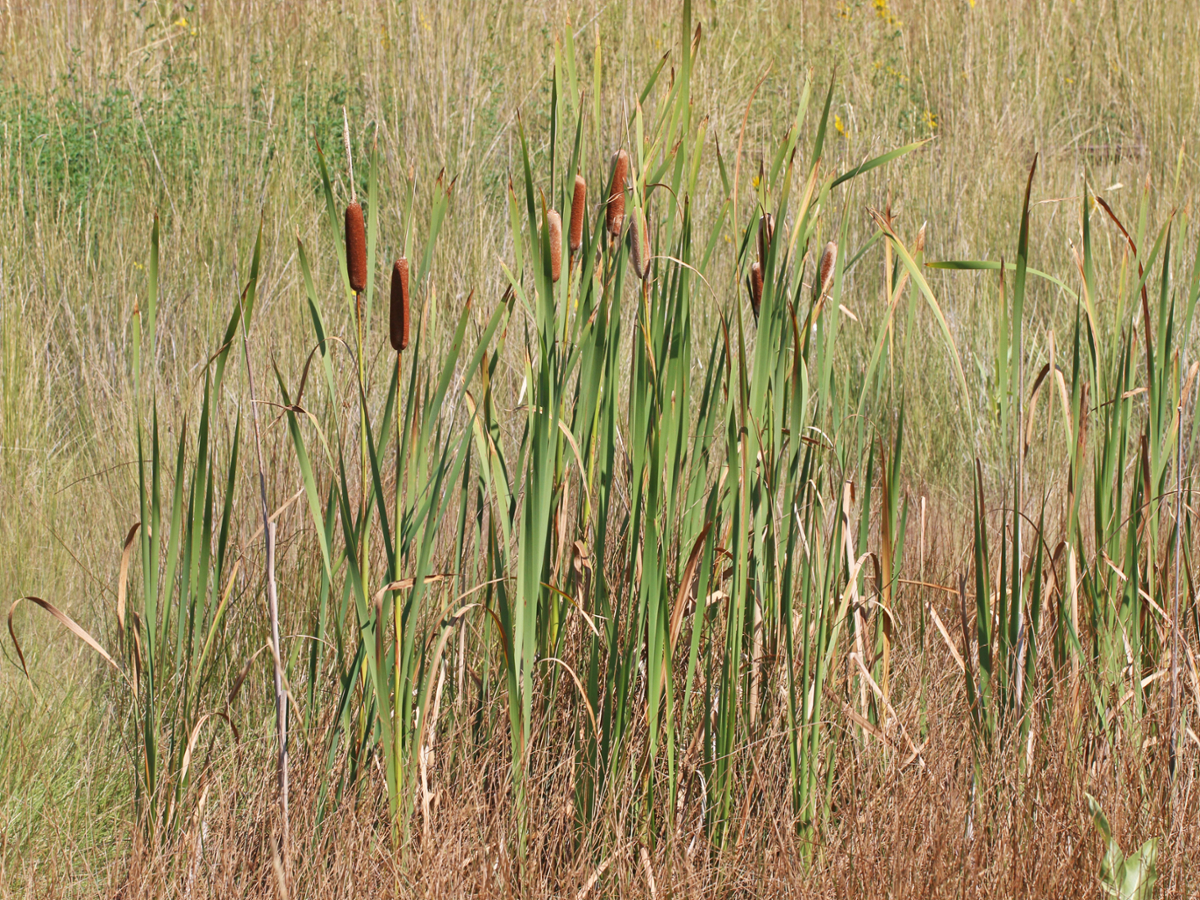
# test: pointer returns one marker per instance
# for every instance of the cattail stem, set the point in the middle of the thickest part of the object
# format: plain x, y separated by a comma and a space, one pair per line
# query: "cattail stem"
349, 155
364, 458
397, 613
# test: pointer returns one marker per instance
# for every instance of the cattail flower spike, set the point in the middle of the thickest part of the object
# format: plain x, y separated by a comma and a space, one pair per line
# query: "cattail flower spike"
578, 204
756, 288
615, 217
554, 229
639, 244
825, 270
398, 324
356, 248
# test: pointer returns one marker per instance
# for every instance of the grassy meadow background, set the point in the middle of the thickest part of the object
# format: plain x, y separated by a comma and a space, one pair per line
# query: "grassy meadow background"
205, 115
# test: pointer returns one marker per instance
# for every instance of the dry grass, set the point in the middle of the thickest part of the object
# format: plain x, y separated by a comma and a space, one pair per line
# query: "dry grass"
900, 830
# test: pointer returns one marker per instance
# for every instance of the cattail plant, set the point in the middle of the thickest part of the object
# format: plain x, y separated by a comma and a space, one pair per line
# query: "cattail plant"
578, 202
554, 227
356, 248
616, 193
399, 319
639, 244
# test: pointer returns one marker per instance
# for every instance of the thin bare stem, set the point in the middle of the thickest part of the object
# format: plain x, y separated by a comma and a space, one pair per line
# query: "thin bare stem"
272, 598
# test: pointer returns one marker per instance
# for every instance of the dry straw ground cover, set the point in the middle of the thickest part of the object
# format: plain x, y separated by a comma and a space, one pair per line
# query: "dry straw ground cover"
814, 515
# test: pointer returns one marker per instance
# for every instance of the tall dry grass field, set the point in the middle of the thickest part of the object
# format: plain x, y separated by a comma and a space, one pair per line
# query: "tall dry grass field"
815, 517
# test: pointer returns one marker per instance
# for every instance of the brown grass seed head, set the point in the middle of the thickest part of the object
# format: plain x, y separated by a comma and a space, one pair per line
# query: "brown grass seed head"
399, 318
577, 205
616, 193
356, 248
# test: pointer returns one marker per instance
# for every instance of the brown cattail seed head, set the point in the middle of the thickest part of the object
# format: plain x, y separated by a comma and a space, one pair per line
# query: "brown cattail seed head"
578, 202
639, 244
616, 194
399, 318
825, 270
554, 226
766, 232
356, 248
756, 287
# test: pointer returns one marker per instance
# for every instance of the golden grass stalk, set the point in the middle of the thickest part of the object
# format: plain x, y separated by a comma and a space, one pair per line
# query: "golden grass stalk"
399, 319
639, 244
616, 193
577, 204
554, 226
356, 248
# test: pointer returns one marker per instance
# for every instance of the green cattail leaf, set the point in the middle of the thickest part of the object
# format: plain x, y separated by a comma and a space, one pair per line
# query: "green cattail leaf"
694, 171
408, 214
653, 78
514, 218
448, 368
639, 183
725, 182
801, 112
441, 202
230, 484
152, 292
554, 120
314, 311
175, 537
335, 222
376, 480
307, 476
914, 272
819, 143
990, 265
136, 323
242, 310
572, 75
596, 84
1018, 308
879, 161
